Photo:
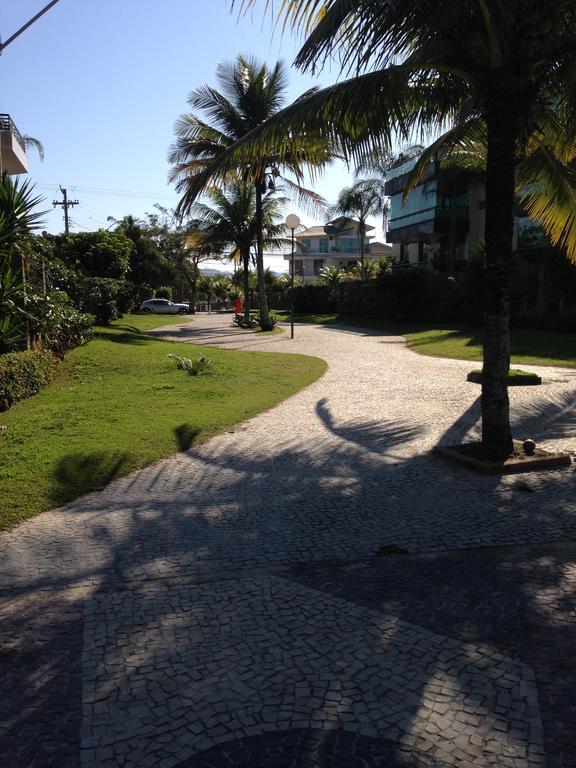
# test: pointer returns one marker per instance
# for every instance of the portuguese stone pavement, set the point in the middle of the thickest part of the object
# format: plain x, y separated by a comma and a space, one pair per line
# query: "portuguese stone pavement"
312, 588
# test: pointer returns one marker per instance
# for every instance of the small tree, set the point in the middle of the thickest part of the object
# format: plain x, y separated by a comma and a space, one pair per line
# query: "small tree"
364, 199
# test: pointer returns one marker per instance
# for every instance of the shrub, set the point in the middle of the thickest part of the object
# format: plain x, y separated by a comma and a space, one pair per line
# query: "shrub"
193, 367
59, 325
23, 374
164, 292
105, 298
241, 322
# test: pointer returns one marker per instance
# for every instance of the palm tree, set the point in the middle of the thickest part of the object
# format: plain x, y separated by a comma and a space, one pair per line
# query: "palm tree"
227, 225
502, 67
363, 199
251, 93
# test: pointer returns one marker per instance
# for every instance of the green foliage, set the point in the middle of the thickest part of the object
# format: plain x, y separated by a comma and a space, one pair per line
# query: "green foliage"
312, 297
23, 374
104, 298
18, 217
11, 315
164, 292
97, 254
147, 265
198, 367
59, 324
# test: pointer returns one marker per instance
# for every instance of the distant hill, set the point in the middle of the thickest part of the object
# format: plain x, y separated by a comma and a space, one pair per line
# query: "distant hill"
216, 272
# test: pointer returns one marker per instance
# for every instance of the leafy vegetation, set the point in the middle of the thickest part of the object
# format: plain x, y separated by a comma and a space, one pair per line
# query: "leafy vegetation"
119, 403
23, 374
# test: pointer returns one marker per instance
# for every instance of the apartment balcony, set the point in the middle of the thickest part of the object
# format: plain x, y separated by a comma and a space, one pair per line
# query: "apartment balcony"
12, 148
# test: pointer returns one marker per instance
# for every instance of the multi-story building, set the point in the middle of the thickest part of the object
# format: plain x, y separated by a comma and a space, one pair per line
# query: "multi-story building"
335, 244
441, 222
12, 148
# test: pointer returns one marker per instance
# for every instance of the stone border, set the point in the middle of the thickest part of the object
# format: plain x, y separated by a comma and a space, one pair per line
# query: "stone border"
508, 467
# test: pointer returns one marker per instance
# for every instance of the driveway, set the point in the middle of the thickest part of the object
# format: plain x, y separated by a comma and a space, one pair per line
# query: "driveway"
312, 588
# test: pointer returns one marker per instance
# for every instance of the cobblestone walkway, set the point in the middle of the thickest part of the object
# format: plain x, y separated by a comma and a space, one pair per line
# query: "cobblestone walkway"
310, 589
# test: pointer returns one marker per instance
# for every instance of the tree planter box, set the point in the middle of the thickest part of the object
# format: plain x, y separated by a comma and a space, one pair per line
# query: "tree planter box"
468, 454
519, 379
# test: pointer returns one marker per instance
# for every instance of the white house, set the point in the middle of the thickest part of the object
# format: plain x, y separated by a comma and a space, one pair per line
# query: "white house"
335, 244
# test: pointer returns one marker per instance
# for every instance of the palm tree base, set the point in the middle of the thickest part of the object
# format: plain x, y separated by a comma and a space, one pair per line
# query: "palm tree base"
473, 455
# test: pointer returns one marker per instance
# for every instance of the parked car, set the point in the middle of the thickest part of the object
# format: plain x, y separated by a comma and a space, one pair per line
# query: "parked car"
163, 307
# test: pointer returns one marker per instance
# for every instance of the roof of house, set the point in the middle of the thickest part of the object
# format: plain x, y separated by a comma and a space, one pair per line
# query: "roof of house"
380, 246
311, 232
340, 222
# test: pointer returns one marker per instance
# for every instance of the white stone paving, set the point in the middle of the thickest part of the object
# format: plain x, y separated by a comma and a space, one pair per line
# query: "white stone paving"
226, 660
339, 470
342, 469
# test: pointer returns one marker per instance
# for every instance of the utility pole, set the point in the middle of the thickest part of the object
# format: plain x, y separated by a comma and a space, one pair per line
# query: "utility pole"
65, 205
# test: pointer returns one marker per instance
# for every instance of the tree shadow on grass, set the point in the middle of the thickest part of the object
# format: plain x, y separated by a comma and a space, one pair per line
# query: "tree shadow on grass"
185, 436
128, 337
80, 473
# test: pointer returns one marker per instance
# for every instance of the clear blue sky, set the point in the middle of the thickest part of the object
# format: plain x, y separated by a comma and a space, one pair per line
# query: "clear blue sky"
101, 83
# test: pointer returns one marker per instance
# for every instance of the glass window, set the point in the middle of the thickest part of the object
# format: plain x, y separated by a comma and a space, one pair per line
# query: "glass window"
323, 245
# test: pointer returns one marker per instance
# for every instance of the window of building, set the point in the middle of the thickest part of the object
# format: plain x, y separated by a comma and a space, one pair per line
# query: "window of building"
298, 267
323, 245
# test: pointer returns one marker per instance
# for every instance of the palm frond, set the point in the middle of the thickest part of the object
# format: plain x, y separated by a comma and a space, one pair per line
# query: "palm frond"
548, 194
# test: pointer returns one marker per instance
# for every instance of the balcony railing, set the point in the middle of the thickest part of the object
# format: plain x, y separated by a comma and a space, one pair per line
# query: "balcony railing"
7, 124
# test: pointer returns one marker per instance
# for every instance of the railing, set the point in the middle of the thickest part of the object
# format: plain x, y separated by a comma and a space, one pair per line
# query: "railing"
7, 124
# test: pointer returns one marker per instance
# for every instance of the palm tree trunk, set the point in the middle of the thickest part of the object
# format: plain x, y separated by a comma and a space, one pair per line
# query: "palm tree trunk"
246, 283
265, 323
503, 121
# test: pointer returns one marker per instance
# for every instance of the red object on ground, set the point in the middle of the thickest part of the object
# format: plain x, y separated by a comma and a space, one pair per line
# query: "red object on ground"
239, 306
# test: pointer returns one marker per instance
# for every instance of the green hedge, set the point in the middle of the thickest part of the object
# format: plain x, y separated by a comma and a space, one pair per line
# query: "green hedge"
23, 374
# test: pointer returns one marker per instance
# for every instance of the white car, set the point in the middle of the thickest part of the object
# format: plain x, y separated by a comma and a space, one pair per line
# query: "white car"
163, 307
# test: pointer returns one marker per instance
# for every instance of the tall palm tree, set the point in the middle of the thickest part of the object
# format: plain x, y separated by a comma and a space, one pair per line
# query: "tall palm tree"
227, 225
504, 67
363, 199
250, 93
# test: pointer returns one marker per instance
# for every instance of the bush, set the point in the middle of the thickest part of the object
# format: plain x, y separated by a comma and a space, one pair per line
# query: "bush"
312, 298
23, 374
241, 322
165, 292
105, 298
58, 324
193, 367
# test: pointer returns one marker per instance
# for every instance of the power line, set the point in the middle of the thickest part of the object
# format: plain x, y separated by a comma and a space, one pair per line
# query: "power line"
122, 192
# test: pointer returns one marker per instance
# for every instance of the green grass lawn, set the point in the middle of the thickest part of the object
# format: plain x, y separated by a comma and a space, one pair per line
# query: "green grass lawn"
120, 403
530, 347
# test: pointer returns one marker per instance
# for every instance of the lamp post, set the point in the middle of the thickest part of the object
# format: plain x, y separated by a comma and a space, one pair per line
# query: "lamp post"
292, 222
